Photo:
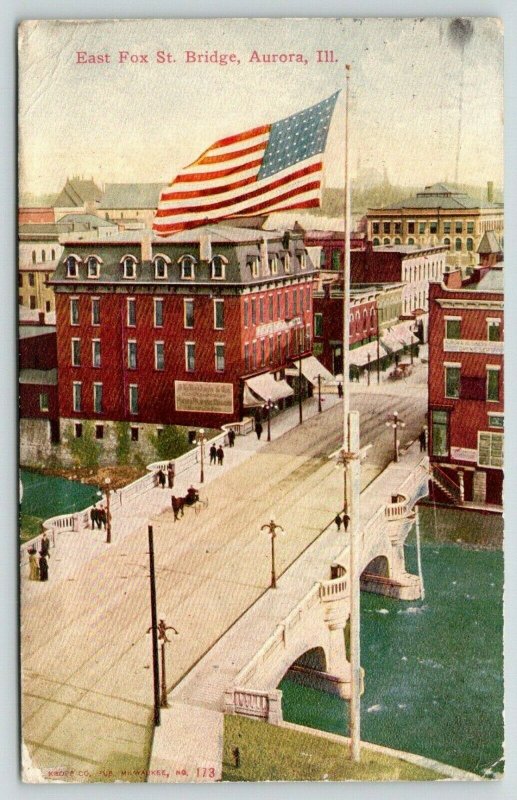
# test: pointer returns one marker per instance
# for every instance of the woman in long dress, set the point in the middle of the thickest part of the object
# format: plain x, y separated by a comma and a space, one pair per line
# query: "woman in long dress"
33, 565
43, 567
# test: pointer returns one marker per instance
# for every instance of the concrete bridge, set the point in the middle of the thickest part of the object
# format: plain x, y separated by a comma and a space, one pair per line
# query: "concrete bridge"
297, 629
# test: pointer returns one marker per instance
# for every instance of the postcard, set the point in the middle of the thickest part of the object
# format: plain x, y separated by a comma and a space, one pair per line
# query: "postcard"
261, 382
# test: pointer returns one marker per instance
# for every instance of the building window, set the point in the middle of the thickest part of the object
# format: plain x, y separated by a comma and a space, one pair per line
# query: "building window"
129, 264
457, 245
160, 268
190, 356
271, 308
74, 311
433, 226
336, 259
158, 313
496, 420
286, 262
421, 227
131, 312
97, 398
253, 311
446, 228
261, 309
385, 241
470, 245
458, 228
411, 227
470, 227
219, 357
53, 255
411, 240
273, 265
447, 242
43, 401
490, 449
286, 305
318, 324
323, 258
302, 257
262, 352
188, 313
253, 266
131, 354
453, 328
245, 313
43, 256
440, 433
254, 354
96, 352
397, 240
295, 303
398, 227
187, 267
375, 227
134, 433
31, 279
76, 395
218, 263
133, 398
376, 242
492, 384
246, 356
99, 431
452, 381
20, 280
32, 302
219, 315
386, 227
33, 256
76, 352
71, 267
47, 306
78, 430
159, 355
92, 264
494, 330
96, 311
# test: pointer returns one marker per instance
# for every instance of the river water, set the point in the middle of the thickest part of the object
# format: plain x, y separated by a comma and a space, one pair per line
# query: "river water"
47, 496
433, 668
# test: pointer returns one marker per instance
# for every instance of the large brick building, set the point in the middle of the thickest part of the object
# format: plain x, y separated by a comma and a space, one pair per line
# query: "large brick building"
466, 389
189, 330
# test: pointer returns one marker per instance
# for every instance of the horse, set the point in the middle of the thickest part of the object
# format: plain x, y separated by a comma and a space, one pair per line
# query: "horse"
178, 505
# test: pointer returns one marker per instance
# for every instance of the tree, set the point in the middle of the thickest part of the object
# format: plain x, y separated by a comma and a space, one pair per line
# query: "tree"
171, 443
123, 442
85, 450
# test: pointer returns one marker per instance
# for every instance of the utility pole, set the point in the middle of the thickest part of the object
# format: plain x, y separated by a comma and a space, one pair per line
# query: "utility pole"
319, 394
201, 439
300, 407
368, 374
272, 528
107, 482
154, 630
378, 352
395, 422
351, 473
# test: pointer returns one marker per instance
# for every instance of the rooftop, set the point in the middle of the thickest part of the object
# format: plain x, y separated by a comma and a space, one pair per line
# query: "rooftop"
440, 195
408, 249
43, 377
30, 331
489, 243
76, 192
131, 195
493, 281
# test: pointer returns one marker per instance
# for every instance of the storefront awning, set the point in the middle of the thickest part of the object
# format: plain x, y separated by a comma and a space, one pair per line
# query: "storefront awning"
311, 368
359, 355
263, 387
391, 342
405, 334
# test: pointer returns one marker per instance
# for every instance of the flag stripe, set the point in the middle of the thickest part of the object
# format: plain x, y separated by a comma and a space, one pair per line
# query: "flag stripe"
232, 154
263, 187
240, 137
222, 173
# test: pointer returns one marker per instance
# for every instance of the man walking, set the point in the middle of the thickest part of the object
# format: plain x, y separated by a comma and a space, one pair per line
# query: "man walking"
220, 455
258, 429
44, 547
338, 522
422, 439
103, 517
231, 437
340, 390
93, 516
170, 474
346, 520
213, 454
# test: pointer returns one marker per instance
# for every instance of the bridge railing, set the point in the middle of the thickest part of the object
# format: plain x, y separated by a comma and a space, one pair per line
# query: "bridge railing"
398, 509
334, 589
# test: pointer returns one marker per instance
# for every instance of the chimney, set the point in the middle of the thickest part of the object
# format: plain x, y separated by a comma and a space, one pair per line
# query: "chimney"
263, 256
205, 246
146, 246
490, 191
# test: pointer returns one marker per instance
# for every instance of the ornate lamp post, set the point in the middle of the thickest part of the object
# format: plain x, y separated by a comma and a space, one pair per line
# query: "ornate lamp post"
272, 529
107, 491
162, 629
395, 422
268, 406
201, 439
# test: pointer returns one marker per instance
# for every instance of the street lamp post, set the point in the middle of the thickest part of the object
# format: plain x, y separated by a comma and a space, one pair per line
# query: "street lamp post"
300, 411
395, 422
163, 639
201, 439
268, 406
368, 373
107, 482
319, 394
272, 528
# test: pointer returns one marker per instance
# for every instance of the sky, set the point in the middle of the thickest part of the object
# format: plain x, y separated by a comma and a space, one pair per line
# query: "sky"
416, 93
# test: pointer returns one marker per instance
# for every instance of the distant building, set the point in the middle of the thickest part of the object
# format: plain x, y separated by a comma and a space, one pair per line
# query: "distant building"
78, 196
38, 253
194, 330
439, 215
35, 216
38, 404
466, 390
130, 205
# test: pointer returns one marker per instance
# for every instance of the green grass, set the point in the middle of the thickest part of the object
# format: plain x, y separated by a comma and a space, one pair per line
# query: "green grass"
271, 753
29, 527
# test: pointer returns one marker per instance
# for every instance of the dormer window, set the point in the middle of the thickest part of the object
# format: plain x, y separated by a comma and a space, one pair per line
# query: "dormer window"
218, 267
253, 265
129, 265
302, 257
273, 264
160, 267
286, 262
187, 264
72, 266
93, 263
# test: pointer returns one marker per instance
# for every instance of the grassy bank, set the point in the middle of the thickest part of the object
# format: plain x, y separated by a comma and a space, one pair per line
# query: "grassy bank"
270, 753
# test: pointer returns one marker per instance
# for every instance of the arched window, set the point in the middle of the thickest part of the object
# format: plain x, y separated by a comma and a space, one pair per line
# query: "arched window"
93, 265
33, 256
219, 267
376, 242
72, 266
470, 244
411, 240
129, 263
272, 262
457, 245
365, 319
447, 242
386, 241
286, 261
187, 264
302, 257
397, 240
43, 256
160, 266
53, 255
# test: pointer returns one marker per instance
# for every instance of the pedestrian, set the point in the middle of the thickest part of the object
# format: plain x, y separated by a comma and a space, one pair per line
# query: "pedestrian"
338, 522
161, 478
44, 546
422, 439
33, 564
98, 517
93, 516
213, 454
170, 474
258, 429
340, 390
231, 437
103, 516
346, 520
220, 455
43, 567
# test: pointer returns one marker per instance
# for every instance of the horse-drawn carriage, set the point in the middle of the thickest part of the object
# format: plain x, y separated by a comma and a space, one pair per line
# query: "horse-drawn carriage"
190, 500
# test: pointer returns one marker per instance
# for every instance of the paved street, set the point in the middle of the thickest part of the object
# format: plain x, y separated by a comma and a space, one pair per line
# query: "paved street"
86, 658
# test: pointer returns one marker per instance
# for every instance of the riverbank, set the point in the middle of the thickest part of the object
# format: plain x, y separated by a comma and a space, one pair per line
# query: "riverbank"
461, 526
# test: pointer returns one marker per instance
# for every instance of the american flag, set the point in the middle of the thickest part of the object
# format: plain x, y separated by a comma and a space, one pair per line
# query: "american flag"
270, 168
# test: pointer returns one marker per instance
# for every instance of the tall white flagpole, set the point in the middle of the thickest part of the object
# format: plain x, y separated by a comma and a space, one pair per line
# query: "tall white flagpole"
351, 469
